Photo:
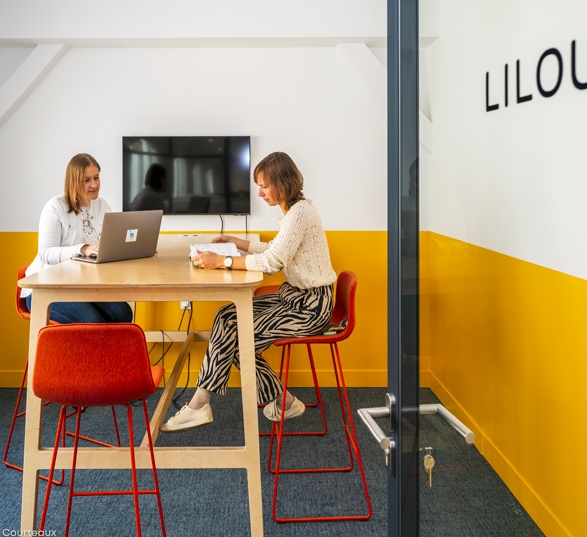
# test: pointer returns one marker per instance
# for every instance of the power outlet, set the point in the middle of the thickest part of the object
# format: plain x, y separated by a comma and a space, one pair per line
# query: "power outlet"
185, 305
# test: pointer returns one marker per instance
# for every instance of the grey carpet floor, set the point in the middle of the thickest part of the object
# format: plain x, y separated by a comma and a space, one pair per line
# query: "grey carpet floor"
467, 498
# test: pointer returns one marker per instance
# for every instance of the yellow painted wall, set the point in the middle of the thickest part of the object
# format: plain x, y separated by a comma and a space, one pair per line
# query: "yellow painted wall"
364, 355
503, 344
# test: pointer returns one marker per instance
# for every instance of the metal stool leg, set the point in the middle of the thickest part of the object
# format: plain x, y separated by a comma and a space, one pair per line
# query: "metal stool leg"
135, 491
351, 438
16, 415
318, 403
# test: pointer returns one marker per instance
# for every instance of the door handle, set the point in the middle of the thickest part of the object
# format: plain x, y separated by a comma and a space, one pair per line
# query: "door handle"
452, 420
386, 443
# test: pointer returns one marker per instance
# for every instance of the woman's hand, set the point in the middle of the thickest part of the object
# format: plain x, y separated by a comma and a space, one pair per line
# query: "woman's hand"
89, 249
224, 238
207, 260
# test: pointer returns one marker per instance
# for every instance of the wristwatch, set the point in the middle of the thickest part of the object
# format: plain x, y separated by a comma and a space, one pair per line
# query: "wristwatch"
228, 262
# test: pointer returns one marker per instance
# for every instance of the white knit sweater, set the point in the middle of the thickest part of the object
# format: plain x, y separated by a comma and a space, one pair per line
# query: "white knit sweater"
300, 249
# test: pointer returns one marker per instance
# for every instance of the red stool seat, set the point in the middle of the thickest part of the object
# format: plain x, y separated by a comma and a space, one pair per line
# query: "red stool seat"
87, 365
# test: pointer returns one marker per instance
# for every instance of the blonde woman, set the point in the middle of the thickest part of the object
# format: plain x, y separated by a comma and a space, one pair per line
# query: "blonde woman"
70, 224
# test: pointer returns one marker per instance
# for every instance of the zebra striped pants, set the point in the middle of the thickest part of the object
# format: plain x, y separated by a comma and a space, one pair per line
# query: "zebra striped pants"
287, 313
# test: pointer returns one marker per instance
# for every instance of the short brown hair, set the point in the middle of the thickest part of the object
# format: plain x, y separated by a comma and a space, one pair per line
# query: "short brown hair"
281, 173
75, 176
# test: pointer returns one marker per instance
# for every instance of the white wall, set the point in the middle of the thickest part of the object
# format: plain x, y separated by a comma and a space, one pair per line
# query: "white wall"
511, 180
312, 97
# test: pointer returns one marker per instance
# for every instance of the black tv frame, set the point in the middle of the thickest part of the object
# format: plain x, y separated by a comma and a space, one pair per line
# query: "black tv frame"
206, 175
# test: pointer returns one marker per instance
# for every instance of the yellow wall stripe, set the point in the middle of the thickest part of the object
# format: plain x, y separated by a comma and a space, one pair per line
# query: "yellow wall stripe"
364, 354
503, 344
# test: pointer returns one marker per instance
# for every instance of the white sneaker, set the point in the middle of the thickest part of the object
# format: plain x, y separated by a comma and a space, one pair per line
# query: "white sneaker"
188, 418
272, 411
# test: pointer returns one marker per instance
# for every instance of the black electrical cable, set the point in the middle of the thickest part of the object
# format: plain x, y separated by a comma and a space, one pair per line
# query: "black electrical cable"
189, 324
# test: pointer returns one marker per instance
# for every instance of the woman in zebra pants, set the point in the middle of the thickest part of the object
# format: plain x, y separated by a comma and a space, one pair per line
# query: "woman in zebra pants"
302, 307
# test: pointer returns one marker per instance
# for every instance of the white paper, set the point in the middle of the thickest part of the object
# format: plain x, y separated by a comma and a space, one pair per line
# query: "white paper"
221, 248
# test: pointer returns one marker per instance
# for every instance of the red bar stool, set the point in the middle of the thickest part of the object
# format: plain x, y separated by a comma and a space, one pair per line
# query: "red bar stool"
113, 369
343, 323
24, 313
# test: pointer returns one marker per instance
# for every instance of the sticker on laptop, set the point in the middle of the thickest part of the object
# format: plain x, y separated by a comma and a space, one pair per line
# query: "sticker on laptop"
131, 235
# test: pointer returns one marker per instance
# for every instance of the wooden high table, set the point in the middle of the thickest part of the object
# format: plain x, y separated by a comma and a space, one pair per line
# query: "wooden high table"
166, 277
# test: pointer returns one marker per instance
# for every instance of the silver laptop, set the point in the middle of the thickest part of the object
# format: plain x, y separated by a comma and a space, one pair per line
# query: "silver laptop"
127, 235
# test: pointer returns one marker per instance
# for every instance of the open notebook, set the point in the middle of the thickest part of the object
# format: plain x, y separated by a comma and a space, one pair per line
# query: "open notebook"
220, 248
127, 235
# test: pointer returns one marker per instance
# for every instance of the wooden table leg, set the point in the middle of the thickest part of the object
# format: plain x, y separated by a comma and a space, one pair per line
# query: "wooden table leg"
250, 412
167, 395
33, 421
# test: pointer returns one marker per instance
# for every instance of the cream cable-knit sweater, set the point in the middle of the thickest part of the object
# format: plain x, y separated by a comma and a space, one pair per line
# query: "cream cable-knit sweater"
300, 249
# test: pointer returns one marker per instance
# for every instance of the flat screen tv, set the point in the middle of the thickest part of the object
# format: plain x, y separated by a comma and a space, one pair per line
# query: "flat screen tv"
187, 175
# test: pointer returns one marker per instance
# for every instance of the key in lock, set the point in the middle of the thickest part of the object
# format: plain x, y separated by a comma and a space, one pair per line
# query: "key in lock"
429, 463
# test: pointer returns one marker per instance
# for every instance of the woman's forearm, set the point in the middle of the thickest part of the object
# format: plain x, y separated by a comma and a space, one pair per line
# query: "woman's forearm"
241, 244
